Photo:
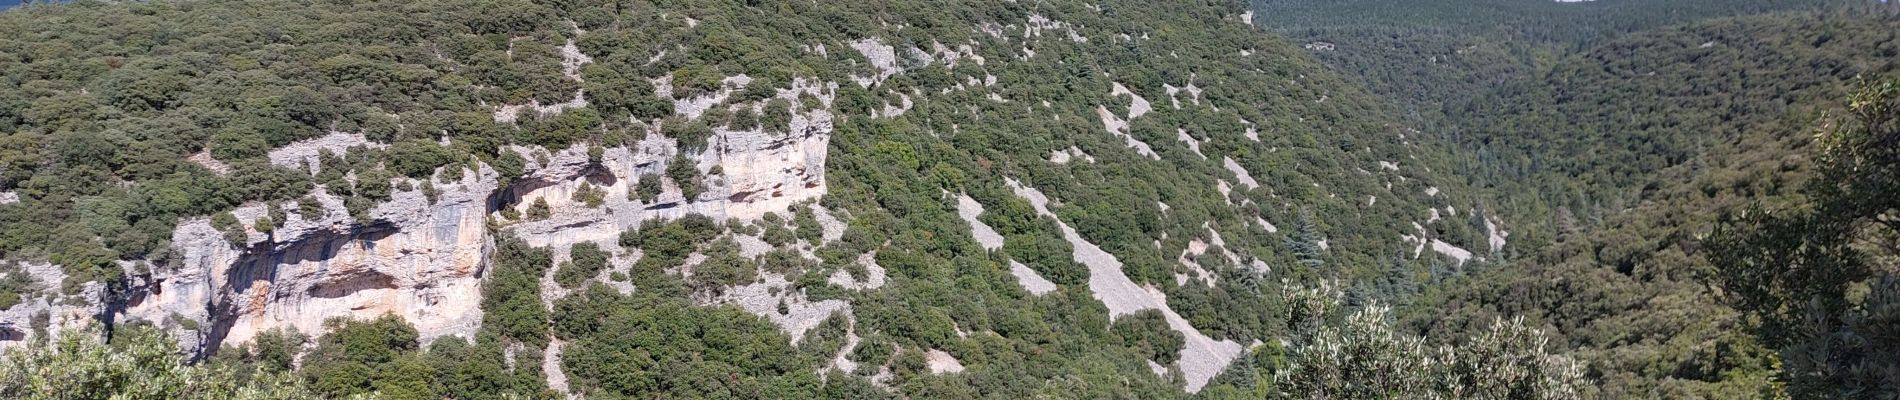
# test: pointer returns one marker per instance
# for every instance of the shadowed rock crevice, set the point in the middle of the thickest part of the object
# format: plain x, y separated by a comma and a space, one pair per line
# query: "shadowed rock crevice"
352, 283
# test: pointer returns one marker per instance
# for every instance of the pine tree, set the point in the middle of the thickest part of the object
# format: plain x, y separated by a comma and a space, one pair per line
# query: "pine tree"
1794, 269
1304, 242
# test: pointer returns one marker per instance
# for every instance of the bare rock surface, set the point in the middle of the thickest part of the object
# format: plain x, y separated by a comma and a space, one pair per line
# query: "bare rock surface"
1421, 242
969, 209
1194, 94
1118, 125
1494, 235
1063, 156
1246, 179
762, 298
874, 275
572, 59
303, 153
761, 173
1190, 141
203, 158
940, 362
508, 113
1201, 359
65, 314
416, 259
883, 57
1137, 105
1195, 249
1031, 281
422, 259
831, 228
842, 360
551, 367
693, 107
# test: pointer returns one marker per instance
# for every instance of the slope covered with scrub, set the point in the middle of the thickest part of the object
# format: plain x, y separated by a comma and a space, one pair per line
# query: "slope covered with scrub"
1428, 56
1620, 163
706, 198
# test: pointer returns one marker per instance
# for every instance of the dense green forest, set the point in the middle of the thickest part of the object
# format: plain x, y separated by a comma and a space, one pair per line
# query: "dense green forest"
101, 131
1620, 136
120, 120
1620, 160
1437, 54
1695, 207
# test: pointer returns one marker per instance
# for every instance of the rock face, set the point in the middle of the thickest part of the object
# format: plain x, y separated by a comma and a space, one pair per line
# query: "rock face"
759, 173
417, 259
766, 174
55, 315
424, 259
304, 154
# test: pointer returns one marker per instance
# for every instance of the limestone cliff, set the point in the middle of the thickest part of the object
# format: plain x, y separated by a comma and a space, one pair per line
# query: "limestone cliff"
416, 258
423, 259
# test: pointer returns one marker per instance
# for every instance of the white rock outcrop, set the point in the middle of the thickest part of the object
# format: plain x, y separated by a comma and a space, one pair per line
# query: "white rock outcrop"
1202, 358
874, 278
1030, 280
304, 153
1118, 125
63, 313
1494, 235
969, 209
417, 259
760, 173
883, 58
1190, 141
940, 362
1063, 156
763, 298
422, 259
1246, 179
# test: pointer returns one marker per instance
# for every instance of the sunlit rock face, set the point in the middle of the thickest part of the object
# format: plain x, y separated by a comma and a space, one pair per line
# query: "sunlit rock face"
748, 174
423, 260
49, 315
416, 259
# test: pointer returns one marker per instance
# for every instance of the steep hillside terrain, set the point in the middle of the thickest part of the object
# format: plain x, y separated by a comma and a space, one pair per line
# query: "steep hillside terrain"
1425, 56
1619, 163
473, 199
1618, 143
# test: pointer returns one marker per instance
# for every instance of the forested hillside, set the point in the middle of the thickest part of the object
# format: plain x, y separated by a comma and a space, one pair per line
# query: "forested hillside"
476, 199
1620, 137
1425, 55
1621, 160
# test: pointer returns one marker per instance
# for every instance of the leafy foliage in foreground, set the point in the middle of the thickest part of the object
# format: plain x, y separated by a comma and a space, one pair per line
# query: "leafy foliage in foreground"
1819, 276
140, 363
1336, 352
